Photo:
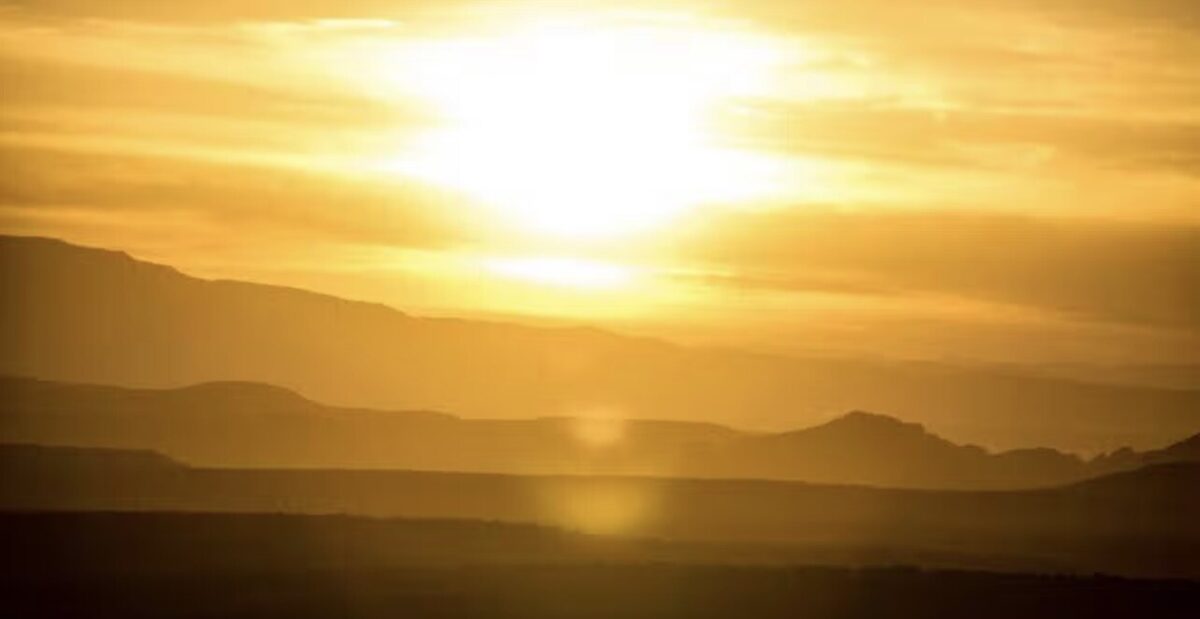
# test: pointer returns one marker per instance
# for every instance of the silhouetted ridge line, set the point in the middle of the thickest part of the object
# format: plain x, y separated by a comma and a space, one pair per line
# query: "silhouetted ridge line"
255, 392
147, 325
871, 424
260, 426
24, 459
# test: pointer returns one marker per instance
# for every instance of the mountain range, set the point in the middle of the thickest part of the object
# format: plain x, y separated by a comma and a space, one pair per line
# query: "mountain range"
76, 314
248, 425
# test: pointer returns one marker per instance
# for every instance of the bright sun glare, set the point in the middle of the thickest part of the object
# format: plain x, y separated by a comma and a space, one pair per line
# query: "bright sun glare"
569, 272
579, 129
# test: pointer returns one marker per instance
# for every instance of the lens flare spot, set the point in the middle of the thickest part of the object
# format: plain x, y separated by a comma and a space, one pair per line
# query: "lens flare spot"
598, 431
602, 506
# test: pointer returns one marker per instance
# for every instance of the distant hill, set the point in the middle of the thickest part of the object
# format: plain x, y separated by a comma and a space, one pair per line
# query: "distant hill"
1187, 450
1137, 523
259, 426
875, 449
76, 314
254, 425
59, 459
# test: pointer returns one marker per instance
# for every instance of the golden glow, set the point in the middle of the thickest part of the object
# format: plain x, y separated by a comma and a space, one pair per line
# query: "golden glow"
598, 430
601, 506
567, 272
434, 156
582, 129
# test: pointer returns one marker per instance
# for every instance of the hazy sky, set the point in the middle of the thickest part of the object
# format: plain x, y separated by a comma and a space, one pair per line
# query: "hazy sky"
999, 179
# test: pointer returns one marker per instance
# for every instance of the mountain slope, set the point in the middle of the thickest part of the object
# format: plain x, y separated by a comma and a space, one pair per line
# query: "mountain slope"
87, 315
253, 425
879, 450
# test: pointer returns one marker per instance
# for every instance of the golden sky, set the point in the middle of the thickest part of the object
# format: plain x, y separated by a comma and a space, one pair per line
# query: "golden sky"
993, 180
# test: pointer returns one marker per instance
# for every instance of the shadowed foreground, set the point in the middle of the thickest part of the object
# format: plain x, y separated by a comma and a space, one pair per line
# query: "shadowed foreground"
1140, 523
187, 565
609, 591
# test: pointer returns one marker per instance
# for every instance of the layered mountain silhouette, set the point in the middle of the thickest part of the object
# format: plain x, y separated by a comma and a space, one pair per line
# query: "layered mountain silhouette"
874, 449
1139, 522
260, 426
76, 314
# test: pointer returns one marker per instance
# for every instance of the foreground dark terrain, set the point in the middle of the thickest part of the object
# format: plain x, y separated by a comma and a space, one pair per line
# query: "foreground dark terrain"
189, 565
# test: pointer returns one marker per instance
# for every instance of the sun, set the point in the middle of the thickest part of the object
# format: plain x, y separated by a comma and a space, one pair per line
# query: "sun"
585, 129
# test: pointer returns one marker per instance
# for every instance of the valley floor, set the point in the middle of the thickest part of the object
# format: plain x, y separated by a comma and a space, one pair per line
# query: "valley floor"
130, 565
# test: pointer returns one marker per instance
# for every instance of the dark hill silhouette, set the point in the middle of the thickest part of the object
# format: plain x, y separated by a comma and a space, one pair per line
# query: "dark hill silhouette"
1170, 481
1185, 450
87, 315
1135, 523
28, 459
879, 450
252, 425
247, 425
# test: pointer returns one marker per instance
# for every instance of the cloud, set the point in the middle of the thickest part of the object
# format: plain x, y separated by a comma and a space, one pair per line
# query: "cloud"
964, 137
235, 200
46, 84
215, 11
1137, 273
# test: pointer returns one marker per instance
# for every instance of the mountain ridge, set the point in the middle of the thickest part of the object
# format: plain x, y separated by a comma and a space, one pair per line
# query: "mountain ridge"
232, 424
88, 315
